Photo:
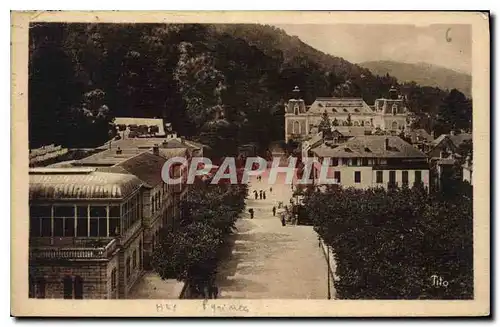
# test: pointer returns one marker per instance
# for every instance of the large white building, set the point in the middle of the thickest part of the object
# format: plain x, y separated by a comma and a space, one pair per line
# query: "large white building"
389, 114
374, 161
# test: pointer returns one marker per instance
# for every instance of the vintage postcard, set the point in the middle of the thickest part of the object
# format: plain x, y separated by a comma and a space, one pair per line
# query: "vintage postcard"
250, 164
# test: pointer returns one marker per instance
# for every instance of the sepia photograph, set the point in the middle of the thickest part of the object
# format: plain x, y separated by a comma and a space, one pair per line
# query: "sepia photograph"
222, 164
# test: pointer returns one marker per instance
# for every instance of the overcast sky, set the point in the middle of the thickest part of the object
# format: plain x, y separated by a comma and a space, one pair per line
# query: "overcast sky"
403, 43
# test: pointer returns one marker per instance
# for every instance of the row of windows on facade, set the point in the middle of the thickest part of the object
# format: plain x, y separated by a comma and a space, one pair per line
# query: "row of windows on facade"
72, 287
355, 161
297, 128
360, 162
84, 220
157, 198
379, 177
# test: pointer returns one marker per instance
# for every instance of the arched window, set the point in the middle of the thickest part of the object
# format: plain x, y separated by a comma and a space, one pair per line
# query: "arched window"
356, 123
394, 109
296, 109
67, 287
296, 127
394, 125
78, 285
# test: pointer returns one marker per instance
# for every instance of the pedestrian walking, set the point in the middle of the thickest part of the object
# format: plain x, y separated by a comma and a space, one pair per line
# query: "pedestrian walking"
270, 190
283, 221
274, 211
264, 194
260, 194
251, 212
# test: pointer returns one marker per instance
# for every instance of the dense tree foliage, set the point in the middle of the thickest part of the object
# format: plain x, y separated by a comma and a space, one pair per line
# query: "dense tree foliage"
209, 81
389, 245
190, 253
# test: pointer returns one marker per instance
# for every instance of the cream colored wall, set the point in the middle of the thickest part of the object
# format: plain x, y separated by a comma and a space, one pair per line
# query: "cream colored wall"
399, 177
347, 176
368, 176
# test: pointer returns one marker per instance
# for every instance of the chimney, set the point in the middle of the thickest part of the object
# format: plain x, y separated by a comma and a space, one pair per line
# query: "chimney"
156, 150
118, 151
387, 144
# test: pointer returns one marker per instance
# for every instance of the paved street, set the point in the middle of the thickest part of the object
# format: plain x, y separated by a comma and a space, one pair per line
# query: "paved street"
267, 260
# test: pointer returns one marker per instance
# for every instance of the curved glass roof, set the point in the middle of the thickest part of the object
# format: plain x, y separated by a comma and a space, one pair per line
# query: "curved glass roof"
80, 185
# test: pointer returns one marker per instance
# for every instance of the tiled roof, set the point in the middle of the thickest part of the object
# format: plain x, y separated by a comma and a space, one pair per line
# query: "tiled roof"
351, 130
371, 146
146, 166
74, 184
340, 105
170, 153
109, 157
420, 133
457, 139
316, 138
196, 144
174, 144
134, 143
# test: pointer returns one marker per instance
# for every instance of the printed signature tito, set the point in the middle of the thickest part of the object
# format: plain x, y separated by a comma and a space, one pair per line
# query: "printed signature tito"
438, 281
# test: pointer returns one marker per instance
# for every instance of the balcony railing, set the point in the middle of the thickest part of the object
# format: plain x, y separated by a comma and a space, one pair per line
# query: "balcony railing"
87, 252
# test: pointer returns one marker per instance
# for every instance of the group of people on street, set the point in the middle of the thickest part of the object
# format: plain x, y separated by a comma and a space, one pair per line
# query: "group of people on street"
261, 194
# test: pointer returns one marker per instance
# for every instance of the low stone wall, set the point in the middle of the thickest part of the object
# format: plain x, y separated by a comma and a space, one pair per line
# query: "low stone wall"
333, 266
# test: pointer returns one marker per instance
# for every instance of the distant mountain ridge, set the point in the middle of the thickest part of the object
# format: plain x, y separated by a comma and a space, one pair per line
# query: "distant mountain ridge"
422, 73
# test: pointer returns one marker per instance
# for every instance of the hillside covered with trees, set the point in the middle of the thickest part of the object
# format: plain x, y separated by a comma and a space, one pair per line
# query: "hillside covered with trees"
222, 84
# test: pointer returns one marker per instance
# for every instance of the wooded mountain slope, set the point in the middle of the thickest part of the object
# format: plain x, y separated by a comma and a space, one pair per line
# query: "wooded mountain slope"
222, 84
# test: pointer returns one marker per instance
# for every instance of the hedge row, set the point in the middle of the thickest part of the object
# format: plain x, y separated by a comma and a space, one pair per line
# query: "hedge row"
398, 244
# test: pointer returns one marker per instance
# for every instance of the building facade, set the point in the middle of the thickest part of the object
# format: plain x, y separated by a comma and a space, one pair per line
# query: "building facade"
85, 233
388, 114
374, 161
95, 222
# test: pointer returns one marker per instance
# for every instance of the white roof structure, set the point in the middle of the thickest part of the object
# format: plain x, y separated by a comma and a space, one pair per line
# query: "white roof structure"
142, 121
